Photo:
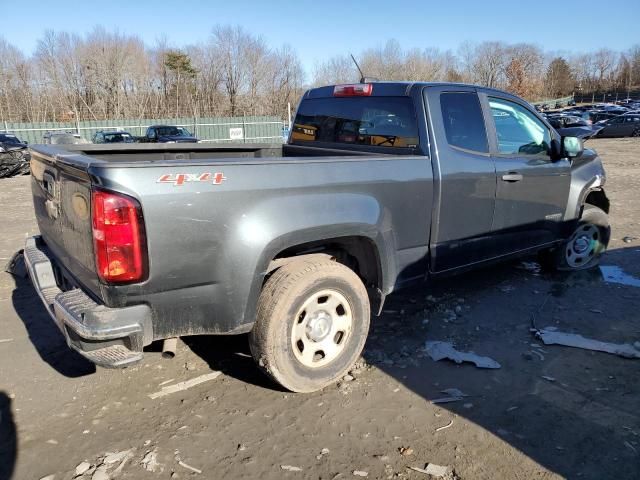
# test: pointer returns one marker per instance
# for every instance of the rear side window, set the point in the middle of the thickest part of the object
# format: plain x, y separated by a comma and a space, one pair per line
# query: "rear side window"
463, 121
372, 121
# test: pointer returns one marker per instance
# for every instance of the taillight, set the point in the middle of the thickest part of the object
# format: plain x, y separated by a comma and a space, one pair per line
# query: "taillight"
353, 90
118, 237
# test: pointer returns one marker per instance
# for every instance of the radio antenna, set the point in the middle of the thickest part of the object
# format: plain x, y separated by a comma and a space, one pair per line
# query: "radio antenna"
362, 77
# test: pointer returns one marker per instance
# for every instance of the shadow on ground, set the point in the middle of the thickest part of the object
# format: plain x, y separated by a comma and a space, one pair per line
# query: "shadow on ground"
580, 422
8, 438
44, 333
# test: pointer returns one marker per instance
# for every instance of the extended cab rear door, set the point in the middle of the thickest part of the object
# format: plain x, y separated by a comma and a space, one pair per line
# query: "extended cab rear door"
465, 195
532, 189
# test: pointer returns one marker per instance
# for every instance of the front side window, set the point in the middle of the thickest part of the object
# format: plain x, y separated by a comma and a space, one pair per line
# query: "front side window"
463, 121
519, 132
372, 121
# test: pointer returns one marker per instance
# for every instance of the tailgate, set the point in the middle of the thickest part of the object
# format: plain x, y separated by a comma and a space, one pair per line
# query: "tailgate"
62, 202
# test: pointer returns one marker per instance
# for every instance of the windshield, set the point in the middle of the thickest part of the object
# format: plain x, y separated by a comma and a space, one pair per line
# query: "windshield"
118, 138
6, 138
173, 132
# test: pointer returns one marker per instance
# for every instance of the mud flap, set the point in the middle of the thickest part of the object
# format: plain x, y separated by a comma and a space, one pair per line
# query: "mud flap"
16, 265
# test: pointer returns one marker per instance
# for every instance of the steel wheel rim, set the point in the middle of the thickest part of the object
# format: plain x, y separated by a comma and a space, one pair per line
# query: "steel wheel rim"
584, 245
321, 329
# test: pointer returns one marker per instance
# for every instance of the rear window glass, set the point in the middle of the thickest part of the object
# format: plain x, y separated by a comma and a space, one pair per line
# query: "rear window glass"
463, 121
373, 121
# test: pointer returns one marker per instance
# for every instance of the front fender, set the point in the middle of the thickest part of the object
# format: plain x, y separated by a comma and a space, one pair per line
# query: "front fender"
586, 176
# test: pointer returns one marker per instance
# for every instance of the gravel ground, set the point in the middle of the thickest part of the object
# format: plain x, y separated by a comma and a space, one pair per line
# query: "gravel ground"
548, 412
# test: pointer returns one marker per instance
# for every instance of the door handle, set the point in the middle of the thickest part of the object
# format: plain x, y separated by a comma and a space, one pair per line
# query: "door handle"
512, 177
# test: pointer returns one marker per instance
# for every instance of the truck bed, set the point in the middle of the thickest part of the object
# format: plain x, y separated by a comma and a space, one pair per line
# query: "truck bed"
164, 154
215, 216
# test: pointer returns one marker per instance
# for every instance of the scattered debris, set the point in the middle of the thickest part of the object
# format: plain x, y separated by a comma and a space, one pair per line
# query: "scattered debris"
540, 355
453, 395
48, 477
614, 274
438, 350
434, 470
360, 473
445, 427
290, 468
405, 451
82, 468
628, 239
189, 467
348, 378
552, 337
323, 452
548, 378
150, 461
178, 387
115, 457
5, 340
100, 473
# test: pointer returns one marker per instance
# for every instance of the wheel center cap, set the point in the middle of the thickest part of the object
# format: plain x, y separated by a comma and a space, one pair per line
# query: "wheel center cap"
318, 326
581, 244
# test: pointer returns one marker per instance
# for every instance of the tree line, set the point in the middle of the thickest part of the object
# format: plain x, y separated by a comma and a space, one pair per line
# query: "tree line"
110, 75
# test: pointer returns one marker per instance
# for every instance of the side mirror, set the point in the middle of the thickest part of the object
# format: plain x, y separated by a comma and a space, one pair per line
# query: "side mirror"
556, 150
571, 147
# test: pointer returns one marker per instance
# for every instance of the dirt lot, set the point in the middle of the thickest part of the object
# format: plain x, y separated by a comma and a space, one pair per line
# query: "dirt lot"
548, 412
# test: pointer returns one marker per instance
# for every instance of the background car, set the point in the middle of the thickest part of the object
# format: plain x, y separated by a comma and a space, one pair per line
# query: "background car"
66, 138
14, 156
113, 137
622, 126
574, 126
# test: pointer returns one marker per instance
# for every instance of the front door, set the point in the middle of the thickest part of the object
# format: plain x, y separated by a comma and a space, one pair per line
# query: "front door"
532, 189
465, 196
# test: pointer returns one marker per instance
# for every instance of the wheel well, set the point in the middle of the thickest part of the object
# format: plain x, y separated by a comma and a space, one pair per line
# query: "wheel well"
360, 254
599, 199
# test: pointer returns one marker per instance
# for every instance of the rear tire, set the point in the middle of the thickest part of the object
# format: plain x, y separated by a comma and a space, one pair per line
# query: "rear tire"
311, 324
583, 249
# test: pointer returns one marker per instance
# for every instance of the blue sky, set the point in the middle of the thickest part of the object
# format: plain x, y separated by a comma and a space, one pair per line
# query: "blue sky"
323, 28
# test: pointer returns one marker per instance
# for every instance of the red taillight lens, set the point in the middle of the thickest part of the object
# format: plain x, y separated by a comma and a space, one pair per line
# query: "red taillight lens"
354, 90
118, 237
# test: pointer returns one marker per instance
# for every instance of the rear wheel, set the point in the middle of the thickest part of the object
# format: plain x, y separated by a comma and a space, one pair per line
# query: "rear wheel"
583, 249
311, 324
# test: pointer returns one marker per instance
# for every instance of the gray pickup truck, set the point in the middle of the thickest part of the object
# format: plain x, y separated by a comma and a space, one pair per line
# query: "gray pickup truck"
381, 185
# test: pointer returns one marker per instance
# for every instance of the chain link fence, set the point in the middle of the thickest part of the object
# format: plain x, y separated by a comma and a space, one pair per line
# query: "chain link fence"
248, 129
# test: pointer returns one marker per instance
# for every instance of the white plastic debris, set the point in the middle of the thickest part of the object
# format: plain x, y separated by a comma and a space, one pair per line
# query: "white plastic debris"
115, 457
290, 468
553, 337
437, 471
82, 468
438, 350
360, 473
453, 395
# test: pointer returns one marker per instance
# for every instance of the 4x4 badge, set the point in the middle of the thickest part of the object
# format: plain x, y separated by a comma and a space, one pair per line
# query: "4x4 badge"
178, 179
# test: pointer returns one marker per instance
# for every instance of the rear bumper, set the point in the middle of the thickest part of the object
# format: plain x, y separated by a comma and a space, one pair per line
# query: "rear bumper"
109, 337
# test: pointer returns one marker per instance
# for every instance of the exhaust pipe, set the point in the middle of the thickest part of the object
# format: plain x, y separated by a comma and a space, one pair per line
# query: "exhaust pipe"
169, 346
